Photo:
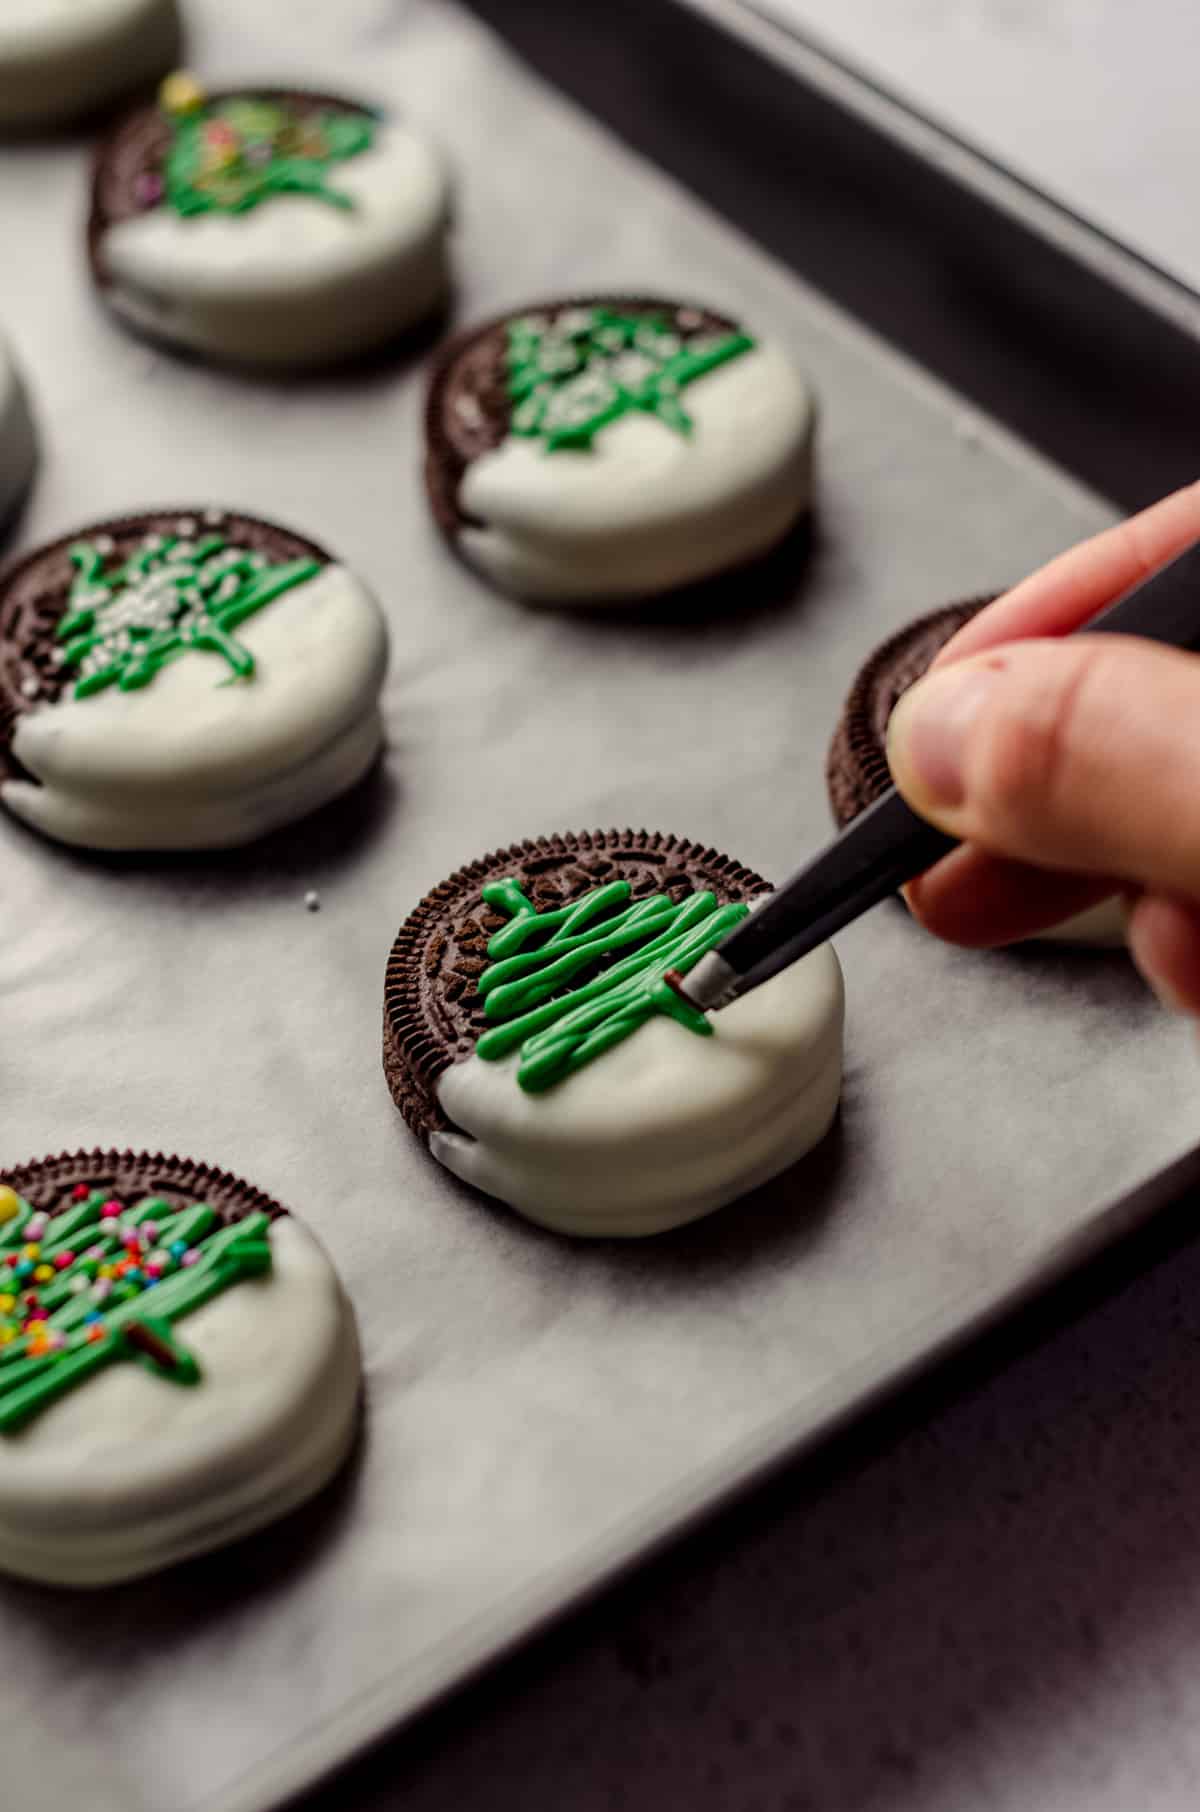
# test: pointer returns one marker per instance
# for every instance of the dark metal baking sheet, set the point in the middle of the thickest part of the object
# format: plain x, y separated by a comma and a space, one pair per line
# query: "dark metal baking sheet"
541, 1414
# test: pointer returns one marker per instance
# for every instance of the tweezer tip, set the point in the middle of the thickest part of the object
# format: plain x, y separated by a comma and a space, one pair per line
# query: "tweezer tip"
674, 981
711, 984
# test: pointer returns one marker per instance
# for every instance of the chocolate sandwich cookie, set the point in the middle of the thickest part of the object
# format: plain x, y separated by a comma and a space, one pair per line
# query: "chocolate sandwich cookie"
183, 679
601, 449
267, 225
531, 1040
856, 768
60, 61
138, 1295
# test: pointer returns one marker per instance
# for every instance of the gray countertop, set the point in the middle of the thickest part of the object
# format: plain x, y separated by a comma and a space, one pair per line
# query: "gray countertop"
1092, 100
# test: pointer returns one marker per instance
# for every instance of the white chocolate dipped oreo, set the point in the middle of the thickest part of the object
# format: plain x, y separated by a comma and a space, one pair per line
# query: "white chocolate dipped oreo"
62, 59
603, 452
531, 1041
268, 227
184, 681
179, 1365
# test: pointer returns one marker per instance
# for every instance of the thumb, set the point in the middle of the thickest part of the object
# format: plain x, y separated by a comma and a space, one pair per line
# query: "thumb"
1080, 755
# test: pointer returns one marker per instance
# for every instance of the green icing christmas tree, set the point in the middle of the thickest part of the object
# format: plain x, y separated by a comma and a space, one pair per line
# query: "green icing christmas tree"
100, 1282
176, 594
571, 374
227, 156
557, 1005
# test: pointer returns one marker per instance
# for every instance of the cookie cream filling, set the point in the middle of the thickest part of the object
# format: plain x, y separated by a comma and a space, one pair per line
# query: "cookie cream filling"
60, 57
666, 1126
647, 509
131, 1473
194, 761
18, 450
1103, 925
293, 280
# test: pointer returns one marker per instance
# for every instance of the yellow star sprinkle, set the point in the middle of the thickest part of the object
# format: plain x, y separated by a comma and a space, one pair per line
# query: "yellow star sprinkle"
181, 93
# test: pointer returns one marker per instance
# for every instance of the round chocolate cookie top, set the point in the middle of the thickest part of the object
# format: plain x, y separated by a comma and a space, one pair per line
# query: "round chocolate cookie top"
129, 168
51, 1185
35, 593
856, 769
433, 1014
470, 404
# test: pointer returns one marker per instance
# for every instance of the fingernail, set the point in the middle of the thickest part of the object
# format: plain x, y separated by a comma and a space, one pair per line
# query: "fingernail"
929, 728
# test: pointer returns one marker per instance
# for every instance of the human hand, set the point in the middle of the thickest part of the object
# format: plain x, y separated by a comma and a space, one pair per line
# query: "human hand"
1070, 769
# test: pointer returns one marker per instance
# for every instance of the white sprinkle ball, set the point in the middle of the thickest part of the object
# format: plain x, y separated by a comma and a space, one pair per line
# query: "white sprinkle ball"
30, 687
312, 900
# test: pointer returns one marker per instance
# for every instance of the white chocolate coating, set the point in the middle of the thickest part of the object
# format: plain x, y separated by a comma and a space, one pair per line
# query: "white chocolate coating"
648, 509
192, 761
295, 280
18, 447
665, 1127
61, 58
129, 1472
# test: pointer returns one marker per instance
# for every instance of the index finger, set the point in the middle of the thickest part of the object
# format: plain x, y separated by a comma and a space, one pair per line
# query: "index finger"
1074, 586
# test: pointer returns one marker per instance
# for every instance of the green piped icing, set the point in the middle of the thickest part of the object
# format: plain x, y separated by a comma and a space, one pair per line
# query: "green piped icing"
110, 1298
542, 984
176, 595
230, 156
574, 373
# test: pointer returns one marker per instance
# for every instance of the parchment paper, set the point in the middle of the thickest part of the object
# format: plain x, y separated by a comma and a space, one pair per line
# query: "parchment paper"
537, 1410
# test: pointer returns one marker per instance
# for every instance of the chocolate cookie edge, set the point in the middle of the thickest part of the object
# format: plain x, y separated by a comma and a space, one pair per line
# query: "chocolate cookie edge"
128, 1171
856, 770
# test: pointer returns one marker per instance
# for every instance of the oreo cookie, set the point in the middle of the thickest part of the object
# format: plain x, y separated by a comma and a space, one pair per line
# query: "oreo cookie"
856, 769
596, 450
159, 686
138, 1294
531, 1040
185, 237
